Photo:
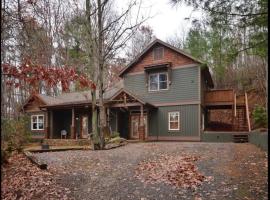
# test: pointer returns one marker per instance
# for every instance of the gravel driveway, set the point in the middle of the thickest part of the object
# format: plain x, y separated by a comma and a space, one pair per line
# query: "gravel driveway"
239, 171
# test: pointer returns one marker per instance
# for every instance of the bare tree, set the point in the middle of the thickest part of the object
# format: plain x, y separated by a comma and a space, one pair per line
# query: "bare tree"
141, 38
110, 32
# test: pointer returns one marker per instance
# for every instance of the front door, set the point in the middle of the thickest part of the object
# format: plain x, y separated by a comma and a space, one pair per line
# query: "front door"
134, 127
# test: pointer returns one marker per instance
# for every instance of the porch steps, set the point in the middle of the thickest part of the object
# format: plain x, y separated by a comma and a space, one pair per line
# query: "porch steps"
240, 138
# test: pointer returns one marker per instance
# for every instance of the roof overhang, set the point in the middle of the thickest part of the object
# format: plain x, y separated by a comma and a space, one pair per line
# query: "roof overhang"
136, 101
165, 65
67, 105
21, 108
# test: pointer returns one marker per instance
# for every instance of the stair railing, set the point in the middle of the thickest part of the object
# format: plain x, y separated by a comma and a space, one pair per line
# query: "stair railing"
247, 112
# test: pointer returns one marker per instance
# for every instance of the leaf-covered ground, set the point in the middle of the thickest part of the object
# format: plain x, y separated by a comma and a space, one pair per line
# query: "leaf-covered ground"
162, 170
176, 170
23, 180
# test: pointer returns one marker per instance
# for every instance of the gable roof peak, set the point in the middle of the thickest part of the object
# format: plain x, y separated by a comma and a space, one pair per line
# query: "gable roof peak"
137, 58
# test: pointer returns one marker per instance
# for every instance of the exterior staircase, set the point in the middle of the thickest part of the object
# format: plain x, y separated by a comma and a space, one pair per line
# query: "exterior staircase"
240, 121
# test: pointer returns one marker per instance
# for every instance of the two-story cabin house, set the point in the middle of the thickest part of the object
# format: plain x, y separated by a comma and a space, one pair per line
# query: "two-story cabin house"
161, 97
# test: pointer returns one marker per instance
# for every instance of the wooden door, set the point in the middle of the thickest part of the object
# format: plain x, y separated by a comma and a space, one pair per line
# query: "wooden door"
134, 126
134, 132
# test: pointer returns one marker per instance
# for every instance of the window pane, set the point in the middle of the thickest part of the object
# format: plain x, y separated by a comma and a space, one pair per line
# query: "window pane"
34, 126
163, 85
162, 77
174, 116
153, 86
173, 125
34, 118
40, 119
40, 126
154, 78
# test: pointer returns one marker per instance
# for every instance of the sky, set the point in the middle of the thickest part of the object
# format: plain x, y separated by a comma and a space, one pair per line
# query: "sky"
167, 20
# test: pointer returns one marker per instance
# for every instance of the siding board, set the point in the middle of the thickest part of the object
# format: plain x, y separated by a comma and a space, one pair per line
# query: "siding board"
184, 87
189, 124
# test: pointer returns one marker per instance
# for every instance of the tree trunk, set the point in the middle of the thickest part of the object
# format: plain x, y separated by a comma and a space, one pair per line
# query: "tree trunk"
102, 113
95, 136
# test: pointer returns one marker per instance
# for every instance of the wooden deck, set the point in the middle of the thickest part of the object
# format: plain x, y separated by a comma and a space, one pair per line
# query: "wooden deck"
227, 99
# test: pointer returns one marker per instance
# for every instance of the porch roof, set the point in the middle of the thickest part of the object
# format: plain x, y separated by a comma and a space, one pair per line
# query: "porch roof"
127, 99
80, 98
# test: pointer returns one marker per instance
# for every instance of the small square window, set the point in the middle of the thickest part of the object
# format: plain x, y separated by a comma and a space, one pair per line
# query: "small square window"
158, 81
37, 122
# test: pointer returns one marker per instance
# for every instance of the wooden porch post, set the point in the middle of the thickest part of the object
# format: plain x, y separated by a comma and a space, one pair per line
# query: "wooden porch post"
141, 126
51, 124
47, 132
72, 128
141, 117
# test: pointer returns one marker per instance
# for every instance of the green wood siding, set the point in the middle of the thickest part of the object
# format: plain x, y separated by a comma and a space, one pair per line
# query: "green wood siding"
184, 87
189, 121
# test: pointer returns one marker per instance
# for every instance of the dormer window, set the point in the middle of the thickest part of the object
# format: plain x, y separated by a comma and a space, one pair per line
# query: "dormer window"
158, 53
158, 81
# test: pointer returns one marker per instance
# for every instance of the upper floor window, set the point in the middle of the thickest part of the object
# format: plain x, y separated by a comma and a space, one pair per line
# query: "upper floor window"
158, 81
37, 122
158, 53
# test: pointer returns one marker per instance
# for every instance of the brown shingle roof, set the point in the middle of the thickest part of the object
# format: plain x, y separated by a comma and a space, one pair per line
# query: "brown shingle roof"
79, 97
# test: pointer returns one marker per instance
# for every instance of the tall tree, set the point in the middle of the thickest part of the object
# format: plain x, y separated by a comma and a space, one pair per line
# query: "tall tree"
140, 39
235, 37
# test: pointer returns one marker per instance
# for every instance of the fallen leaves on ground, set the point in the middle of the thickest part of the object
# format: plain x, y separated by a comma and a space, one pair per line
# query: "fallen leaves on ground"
179, 171
23, 180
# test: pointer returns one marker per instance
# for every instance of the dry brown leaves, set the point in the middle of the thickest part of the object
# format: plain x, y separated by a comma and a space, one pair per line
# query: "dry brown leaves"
178, 171
23, 180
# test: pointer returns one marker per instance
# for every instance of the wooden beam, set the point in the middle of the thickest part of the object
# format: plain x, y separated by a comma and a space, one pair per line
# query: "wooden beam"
125, 105
34, 160
247, 112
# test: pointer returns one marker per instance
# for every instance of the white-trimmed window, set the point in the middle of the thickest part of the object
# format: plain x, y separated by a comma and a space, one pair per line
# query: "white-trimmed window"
174, 121
158, 81
37, 122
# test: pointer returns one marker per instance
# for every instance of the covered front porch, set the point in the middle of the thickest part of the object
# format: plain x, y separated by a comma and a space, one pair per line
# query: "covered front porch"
125, 113
68, 122
129, 115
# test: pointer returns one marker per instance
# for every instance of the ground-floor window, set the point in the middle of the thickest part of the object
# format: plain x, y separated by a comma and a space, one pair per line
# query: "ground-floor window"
37, 122
174, 124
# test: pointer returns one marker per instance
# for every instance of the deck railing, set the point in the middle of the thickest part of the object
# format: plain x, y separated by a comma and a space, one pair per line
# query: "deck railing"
219, 97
